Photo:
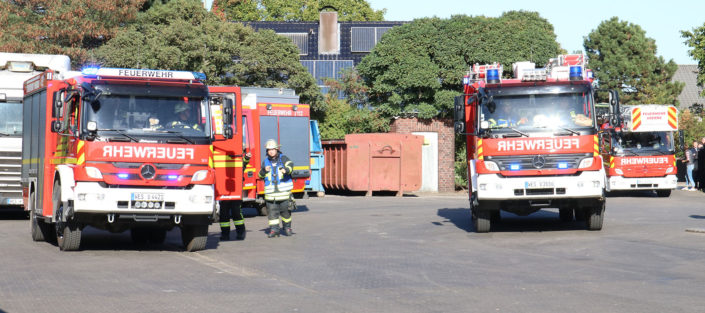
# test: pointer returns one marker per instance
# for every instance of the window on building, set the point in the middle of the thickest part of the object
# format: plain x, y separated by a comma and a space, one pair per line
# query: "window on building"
321, 69
363, 39
300, 40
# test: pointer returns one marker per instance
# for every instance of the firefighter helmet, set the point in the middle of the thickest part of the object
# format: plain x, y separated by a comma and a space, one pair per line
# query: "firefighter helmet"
180, 107
271, 144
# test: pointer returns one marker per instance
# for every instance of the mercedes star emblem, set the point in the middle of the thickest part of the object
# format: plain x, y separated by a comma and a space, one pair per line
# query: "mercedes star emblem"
539, 161
147, 171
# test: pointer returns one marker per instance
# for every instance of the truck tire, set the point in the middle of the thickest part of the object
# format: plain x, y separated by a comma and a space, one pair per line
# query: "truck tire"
262, 209
194, 237
595, 216
68, 234
566, 215
482, 220
663, 193
40, 230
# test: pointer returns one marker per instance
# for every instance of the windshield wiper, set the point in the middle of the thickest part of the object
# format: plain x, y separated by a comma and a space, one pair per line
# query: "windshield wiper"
121, 132
572, 131
518, 131
5, 134
179, 134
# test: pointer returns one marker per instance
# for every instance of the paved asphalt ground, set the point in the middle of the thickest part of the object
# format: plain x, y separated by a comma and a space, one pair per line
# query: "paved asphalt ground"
379, 254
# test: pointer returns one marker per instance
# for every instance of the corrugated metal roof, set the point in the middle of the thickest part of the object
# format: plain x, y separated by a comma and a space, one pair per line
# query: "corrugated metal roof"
688, 73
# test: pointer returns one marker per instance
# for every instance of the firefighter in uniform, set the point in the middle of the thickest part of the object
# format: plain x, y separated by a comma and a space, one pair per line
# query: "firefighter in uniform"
183, 119
232, 211
276, 171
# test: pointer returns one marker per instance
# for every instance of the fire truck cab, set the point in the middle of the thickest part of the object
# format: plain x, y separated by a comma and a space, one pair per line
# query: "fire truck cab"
640, 154
532, 141
118, 149
273, 113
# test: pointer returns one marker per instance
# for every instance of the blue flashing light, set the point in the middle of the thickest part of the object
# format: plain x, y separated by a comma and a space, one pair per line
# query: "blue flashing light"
123, 175
590, 74
515, 167
576, 72
90, 71
199, 75
562, 165
173, 177
493, 75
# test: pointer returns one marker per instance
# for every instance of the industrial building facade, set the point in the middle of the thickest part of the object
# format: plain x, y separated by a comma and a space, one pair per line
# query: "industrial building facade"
329, 46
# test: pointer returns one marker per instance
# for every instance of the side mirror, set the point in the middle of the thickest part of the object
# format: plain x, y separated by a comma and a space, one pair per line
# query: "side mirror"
58, 104
228, 111
491, 106
228, 131
459, 109
681, 139
459, 127
56, 126
615, 112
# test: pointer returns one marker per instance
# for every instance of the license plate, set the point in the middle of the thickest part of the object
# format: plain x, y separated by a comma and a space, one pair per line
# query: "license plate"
643, 182
14, 201
147, 196
539, 184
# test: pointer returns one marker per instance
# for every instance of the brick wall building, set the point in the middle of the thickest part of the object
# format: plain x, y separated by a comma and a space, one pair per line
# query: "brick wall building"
446, 145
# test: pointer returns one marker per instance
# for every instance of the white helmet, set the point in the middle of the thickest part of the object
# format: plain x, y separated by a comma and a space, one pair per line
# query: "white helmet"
271, 144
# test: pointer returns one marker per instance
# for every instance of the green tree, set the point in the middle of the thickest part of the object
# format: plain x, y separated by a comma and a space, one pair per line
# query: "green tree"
295, 10
352, 114
71, 27
623, 58
182, 35
418, 67
696, 41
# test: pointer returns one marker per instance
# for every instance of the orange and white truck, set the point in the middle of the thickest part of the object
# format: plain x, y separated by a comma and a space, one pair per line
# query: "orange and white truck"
640, 153
532, 141
266, 113
118, 149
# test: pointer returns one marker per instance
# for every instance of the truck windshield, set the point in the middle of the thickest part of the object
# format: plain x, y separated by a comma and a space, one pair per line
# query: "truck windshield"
10, 118
646, 143
538, 110
137, 115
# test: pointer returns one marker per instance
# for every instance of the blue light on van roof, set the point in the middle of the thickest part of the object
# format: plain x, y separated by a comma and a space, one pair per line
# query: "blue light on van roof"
90, 71
199, 75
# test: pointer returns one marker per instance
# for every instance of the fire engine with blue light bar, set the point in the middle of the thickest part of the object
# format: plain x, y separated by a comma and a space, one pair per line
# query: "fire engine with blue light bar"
119, 149
640, 149
532, 141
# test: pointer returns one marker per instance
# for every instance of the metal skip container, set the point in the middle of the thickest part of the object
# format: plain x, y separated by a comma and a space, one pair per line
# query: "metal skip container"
373, 162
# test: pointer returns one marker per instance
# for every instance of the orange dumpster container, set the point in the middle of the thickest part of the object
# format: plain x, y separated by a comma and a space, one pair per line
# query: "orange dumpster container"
373, 162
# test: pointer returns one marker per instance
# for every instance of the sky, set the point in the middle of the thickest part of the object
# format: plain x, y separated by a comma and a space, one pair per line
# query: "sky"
572, 21
662, 20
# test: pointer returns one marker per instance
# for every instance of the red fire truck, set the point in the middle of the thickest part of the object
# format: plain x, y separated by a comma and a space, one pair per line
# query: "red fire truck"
641, 152
532, 141
272, 113
118, 149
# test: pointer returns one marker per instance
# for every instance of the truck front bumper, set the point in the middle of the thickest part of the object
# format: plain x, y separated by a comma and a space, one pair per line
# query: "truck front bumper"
91, 197
588, 184
642, 183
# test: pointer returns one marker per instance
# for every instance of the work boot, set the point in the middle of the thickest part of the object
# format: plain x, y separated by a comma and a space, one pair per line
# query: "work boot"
240, 232
224, 234
273, 233
287, 229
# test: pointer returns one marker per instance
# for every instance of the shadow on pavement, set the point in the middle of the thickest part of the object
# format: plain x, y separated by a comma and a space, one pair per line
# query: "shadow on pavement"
543, 220
700, 217
460, 217
348, 193
14, 214
634, 194
93, 239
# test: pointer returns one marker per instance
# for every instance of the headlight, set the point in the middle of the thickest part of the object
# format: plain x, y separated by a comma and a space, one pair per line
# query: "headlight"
491, 166
93, 172
618, 171
585, 163
199, 176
